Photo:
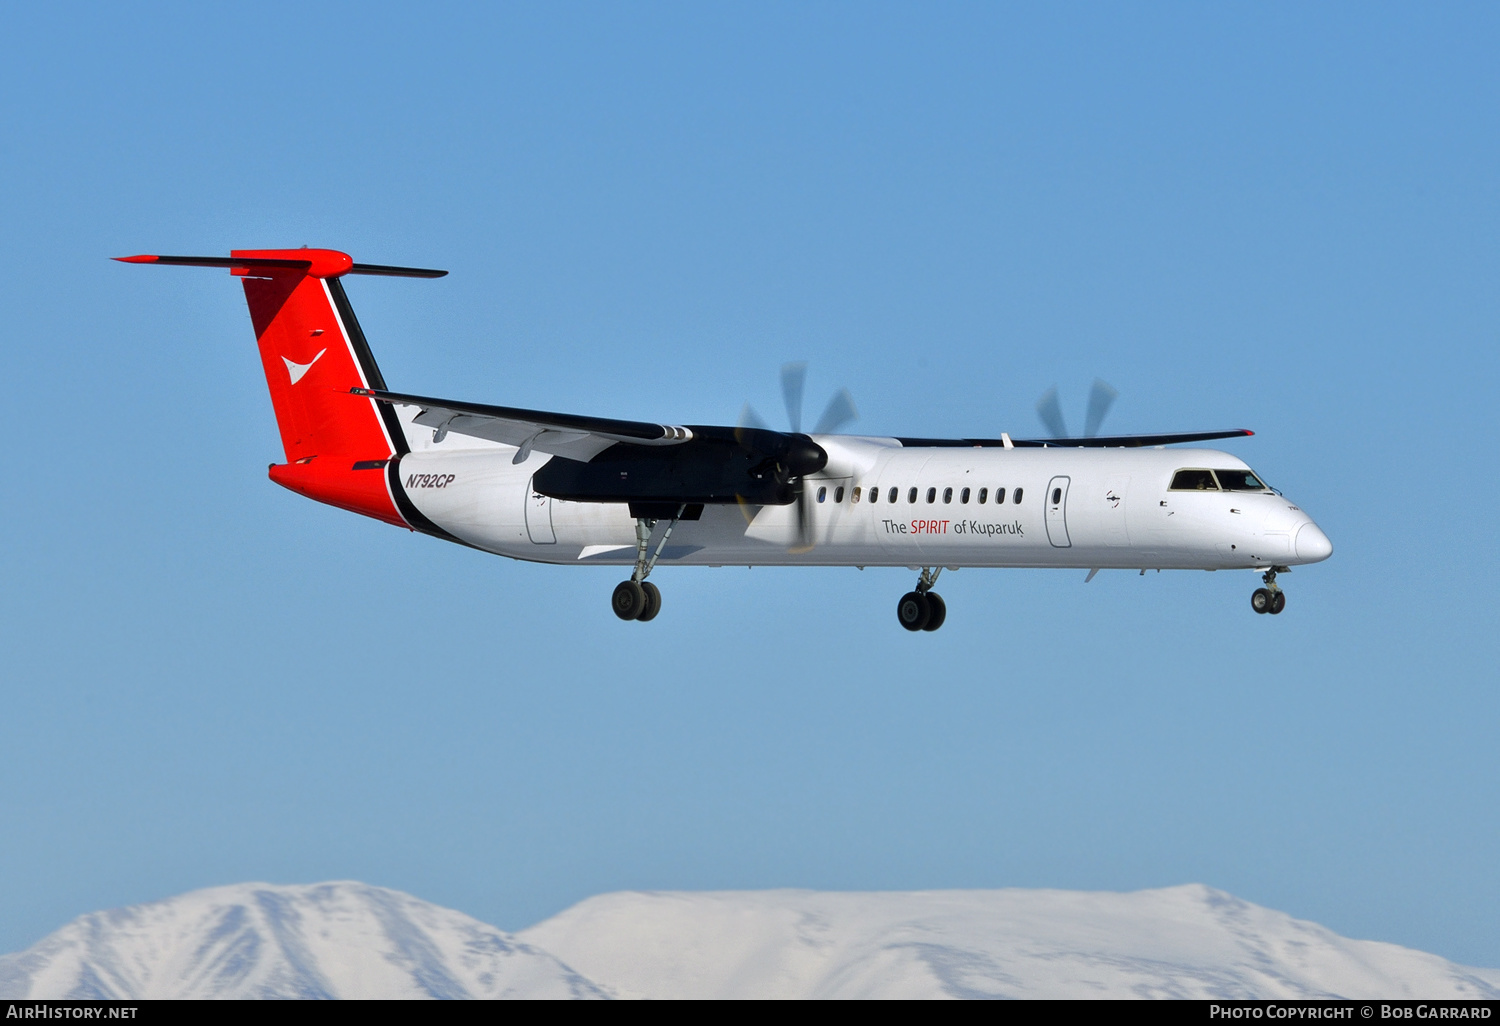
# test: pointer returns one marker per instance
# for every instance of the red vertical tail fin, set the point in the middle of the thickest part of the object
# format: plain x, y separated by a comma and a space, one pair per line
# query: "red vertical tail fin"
338, 446
314, 353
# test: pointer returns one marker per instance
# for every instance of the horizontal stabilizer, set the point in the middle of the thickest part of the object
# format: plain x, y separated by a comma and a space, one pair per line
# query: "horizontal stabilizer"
320, 263
396, 272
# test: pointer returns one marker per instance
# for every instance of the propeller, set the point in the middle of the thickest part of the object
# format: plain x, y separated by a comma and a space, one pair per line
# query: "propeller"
839, 411
793, 380
1050, 412
1101, 398
804, 456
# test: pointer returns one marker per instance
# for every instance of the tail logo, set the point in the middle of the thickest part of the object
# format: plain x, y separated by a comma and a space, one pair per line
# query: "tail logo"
296, 370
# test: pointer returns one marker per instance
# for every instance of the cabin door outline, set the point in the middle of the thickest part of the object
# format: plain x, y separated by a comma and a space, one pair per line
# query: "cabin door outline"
1056, 502
539, 516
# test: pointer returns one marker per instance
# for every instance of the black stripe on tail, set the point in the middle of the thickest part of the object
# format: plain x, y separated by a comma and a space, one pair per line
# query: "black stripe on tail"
367, 363
408, 511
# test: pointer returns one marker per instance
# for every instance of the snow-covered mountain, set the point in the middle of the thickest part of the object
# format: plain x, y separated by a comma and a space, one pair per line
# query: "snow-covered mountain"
352, 940
333, 940
1178, 942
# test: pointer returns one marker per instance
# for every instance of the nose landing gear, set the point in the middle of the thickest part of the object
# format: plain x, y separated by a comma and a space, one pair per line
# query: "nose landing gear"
638, 598
923, 609
1270, 599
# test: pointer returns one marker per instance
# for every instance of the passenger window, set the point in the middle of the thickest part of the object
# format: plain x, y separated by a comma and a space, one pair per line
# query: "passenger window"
838, 494
947, 495
1015, 498
1239, 481
932, 495
1194, 481
891, 497
999, 496
984, 494
855, 497
911, 496
822, 493
963, 496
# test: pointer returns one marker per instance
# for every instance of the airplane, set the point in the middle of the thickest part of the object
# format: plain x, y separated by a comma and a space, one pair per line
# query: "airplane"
584, 490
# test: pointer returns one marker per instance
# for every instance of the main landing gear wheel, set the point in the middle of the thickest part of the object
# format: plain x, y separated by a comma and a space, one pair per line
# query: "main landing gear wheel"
653, 601
939, 610
638, 598
1260, 600
923, 609
914, 611
629, 600
1278, 602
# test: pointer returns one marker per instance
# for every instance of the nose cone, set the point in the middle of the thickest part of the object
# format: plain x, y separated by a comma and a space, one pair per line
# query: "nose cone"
1313, 545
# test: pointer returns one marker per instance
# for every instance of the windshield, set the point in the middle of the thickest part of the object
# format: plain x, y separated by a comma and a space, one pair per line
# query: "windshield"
1239, 481
1194, 481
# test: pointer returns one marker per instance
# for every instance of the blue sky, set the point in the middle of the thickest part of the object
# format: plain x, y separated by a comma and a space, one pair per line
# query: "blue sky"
1281, 218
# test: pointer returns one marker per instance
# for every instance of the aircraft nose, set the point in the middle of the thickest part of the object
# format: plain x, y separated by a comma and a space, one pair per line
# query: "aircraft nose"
1313, 545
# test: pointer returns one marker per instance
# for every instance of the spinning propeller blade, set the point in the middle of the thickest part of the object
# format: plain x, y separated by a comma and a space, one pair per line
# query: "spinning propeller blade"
750, 419
839, 411
1050, 412
1101, 397
793, 378
805, 540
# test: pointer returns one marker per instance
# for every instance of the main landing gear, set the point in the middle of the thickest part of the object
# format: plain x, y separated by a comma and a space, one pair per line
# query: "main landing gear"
1269, 599
923, 609
638, 598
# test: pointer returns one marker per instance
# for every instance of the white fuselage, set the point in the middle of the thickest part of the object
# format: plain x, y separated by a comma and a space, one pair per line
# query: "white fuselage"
1078, 507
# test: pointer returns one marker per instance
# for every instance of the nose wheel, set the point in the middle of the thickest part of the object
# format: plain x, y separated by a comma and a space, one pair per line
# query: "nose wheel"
1270, 599
923, 609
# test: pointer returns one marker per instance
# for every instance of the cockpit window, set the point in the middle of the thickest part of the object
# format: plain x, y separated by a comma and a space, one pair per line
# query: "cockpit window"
1194, 481
1239, 481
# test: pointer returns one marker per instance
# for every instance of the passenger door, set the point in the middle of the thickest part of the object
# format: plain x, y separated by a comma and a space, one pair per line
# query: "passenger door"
1056, 502
539, 517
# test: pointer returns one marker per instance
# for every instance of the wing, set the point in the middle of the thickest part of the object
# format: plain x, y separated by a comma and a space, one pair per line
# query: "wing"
558, 434
1097, 442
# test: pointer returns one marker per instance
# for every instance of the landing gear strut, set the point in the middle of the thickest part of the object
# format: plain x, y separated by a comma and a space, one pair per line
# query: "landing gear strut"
1270, 599
638, 598
923, 609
